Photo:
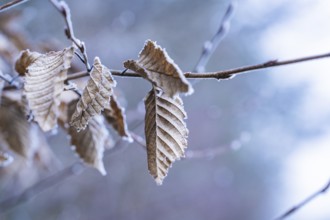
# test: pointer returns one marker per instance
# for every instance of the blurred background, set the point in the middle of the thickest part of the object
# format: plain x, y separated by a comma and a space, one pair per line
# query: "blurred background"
273, 125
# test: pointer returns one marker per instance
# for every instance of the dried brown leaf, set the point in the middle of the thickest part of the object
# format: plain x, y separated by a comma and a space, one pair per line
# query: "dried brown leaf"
44, 82
95, 97
91, 142
15, 131
115, 115
25, 60
155, 65
5, 159
166, 132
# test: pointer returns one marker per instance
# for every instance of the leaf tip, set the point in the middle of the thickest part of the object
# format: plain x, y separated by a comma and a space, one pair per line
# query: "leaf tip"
100, 167
159, 181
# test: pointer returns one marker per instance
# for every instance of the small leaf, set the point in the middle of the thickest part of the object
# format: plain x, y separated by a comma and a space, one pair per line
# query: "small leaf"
15, 130
91, 142
5, 159
95, 97
44, 82
166, 132
115, 116
155, 65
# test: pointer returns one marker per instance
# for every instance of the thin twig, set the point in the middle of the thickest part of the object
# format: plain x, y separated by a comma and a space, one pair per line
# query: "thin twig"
190, 154
210, 46
74, 169
11, 4
206, 153
64, 9
224, 74
12, 81
300, 205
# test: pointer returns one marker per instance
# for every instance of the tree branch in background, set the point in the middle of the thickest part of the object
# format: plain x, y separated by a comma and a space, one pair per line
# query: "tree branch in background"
210, 46
64, 9
11, 4
302, 204
74, 169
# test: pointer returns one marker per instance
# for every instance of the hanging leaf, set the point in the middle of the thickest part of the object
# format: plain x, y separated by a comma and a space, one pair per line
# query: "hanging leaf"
91, 142
5, 159
155, 65
44, 81
16, 132
115, 116
95, 96
166, 132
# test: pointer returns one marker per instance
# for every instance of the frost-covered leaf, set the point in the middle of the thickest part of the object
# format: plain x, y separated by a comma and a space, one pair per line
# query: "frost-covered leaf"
115, 115
95, 97
5, 159
91, 142
155, 65
16, 133
44, 82
166, 132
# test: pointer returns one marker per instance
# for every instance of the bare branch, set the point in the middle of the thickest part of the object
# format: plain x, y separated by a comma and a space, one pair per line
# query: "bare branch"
210, 46
224, 74
303, 203
11, 4
64, 9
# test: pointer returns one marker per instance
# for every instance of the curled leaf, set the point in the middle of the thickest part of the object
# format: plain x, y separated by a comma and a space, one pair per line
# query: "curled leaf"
115, 116
25, 60
44, 81
95, 97
166, 132
155, 65
5, 159
91, 142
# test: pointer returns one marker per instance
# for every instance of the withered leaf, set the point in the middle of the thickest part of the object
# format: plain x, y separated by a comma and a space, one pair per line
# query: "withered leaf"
15, 131
166, 132
155, 65
5, 159
44, 81
91, 142
95, 97
115, 116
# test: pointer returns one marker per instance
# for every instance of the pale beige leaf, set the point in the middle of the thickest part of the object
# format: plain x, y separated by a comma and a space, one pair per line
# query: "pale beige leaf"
155, 65
15, 131
5, 159
115, 115
44, 82
166, 132
95, 97
91, 142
